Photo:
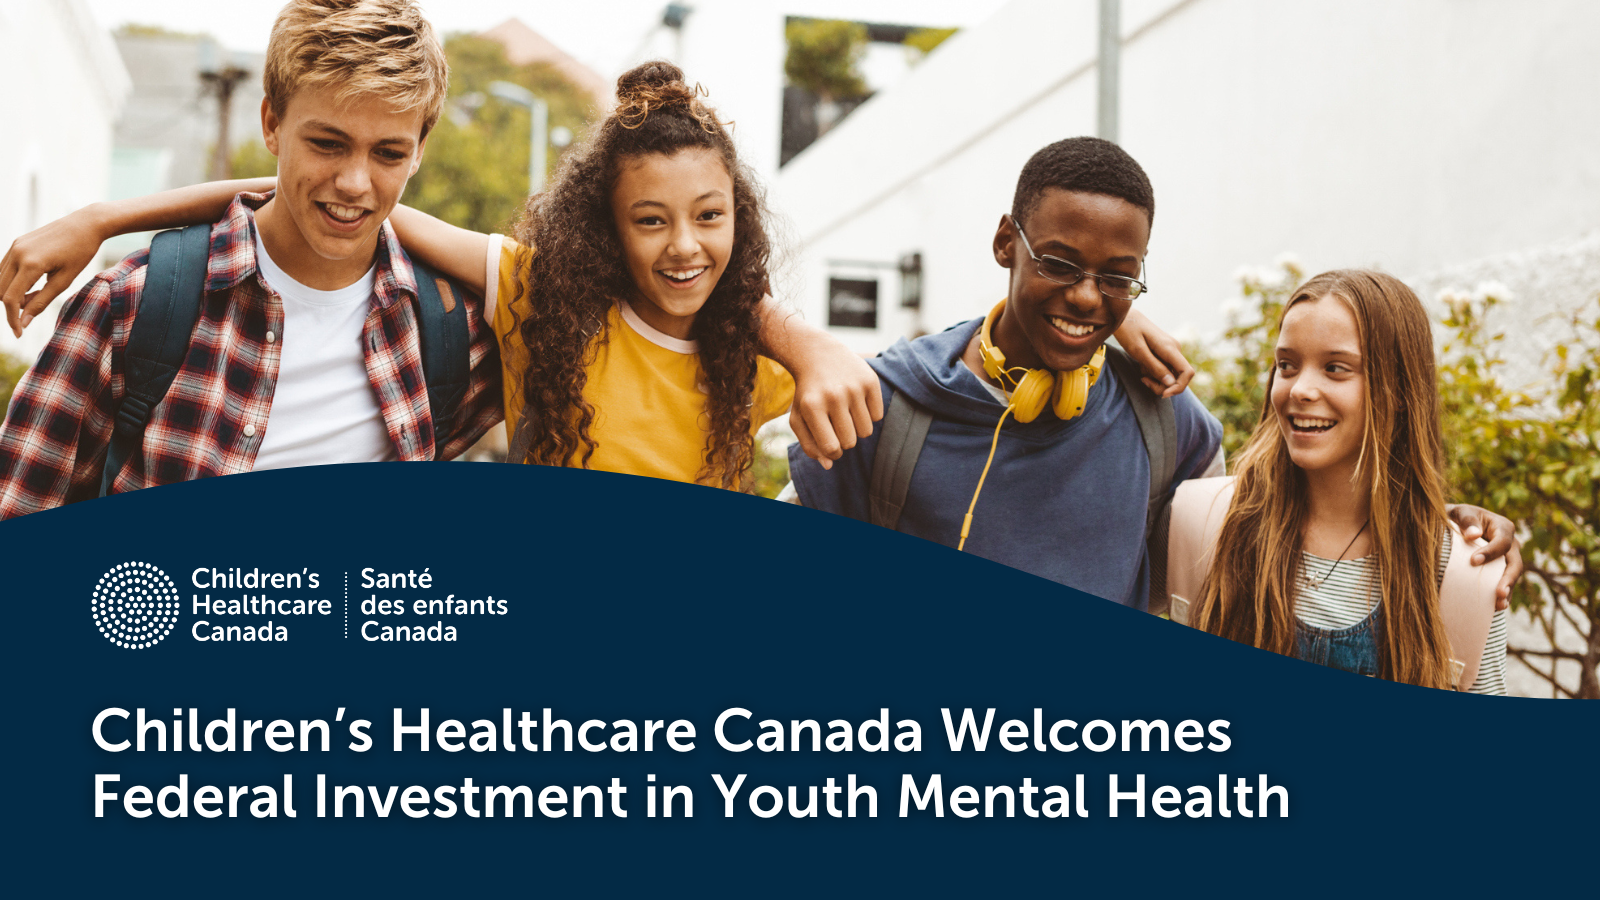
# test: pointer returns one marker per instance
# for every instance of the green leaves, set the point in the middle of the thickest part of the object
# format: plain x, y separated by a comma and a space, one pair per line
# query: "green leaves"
475, 169
11, 371
825, 56
1535, 456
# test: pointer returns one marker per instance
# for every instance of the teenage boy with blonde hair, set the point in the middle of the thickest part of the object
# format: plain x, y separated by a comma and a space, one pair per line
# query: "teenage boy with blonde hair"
352, 88
307, 345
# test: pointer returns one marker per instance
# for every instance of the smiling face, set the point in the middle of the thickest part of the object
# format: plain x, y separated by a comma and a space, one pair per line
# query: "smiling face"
675, 218
1057, 326
342, 165
1318, 390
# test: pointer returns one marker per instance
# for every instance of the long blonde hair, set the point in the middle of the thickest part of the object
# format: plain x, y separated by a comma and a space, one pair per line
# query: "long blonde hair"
1248, 594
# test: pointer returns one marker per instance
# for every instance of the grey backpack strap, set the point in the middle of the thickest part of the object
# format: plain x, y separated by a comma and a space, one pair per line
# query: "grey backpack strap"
904, 429
1159, 427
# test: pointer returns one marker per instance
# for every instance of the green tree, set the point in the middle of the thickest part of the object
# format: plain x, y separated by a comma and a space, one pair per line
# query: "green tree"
252, 159
824, 57
1532, 456
475, 168
11, 372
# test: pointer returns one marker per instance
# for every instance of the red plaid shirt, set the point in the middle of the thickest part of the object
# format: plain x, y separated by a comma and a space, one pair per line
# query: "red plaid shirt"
215, 415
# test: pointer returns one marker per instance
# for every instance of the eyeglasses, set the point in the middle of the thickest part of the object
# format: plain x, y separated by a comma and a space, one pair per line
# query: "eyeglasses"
1112, 287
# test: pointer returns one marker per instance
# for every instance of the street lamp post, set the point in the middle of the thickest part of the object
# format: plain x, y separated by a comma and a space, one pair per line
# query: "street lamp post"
220, 75
1109, 68
538, 139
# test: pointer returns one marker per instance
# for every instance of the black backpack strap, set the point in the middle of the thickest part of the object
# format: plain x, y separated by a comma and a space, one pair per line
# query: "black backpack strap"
904, 429
1158, 425
158, 340
446, 346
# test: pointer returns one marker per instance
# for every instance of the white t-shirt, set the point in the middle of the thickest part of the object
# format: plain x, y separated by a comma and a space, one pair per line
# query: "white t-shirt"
323, 410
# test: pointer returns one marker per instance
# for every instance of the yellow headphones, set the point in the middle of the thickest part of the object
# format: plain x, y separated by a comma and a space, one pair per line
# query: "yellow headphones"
1064, 392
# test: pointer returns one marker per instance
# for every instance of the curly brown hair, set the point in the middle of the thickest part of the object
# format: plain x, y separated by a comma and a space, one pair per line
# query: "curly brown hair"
579, 271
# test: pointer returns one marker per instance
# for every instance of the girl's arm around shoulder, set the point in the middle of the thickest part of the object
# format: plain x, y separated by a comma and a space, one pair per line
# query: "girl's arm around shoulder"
456, 252
836, 396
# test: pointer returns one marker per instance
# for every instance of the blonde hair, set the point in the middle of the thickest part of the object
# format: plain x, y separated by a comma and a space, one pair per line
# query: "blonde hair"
374, 48
1248, 594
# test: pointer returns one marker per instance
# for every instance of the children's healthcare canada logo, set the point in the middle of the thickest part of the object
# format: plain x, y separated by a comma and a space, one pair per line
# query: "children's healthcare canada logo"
135, 605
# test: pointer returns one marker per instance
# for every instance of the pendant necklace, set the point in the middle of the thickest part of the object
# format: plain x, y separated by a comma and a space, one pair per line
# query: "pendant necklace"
1316, 582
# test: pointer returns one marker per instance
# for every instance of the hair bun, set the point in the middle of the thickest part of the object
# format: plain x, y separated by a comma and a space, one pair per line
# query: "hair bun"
650, 77
653, 85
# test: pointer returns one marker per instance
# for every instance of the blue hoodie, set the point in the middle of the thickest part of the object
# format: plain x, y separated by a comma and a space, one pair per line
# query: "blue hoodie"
1064, 500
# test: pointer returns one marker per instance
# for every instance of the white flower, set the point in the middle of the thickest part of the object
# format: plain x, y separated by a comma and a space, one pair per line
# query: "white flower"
1487, 289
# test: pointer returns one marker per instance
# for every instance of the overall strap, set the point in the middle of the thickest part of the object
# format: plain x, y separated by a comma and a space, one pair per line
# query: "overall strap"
158, 340
1158, 425
905, 428
446, 346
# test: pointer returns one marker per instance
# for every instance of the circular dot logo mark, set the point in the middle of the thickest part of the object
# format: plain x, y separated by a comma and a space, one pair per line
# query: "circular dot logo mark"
135, 605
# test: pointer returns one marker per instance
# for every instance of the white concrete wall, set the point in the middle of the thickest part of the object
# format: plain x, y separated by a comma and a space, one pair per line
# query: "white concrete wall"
63, 87
1411, 135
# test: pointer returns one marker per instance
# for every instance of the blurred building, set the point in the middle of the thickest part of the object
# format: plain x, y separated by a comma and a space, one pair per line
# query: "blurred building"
167, 137
64, 88
172, 114
1423, 138
523, 46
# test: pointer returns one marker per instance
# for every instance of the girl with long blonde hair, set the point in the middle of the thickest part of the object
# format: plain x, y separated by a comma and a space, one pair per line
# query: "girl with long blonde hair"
1334, 546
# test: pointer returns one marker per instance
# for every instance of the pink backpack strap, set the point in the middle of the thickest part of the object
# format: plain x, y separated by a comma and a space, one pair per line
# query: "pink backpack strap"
1466, 603
1198, 507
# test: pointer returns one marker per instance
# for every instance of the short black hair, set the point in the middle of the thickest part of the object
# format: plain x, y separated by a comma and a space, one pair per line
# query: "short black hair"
1084, 164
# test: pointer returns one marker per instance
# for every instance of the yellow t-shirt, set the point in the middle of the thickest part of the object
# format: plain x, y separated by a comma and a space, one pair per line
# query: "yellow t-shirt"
650, 411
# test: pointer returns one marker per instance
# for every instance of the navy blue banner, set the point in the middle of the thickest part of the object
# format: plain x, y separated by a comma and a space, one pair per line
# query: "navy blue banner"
772, 676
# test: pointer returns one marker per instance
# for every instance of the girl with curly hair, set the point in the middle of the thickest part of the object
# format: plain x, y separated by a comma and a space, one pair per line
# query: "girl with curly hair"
630, 303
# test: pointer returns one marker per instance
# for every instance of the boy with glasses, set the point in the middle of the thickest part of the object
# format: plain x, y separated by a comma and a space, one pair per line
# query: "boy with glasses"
1040, 449
1066, 488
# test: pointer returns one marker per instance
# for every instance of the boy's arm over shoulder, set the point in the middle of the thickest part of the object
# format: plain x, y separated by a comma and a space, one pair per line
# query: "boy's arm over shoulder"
1199, 438
843, 488
53, 442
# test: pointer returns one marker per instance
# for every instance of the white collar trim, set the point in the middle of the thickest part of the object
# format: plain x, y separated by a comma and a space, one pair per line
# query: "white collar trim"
660, 339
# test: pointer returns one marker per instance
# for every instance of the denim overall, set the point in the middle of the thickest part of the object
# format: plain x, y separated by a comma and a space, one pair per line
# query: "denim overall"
1352, 649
